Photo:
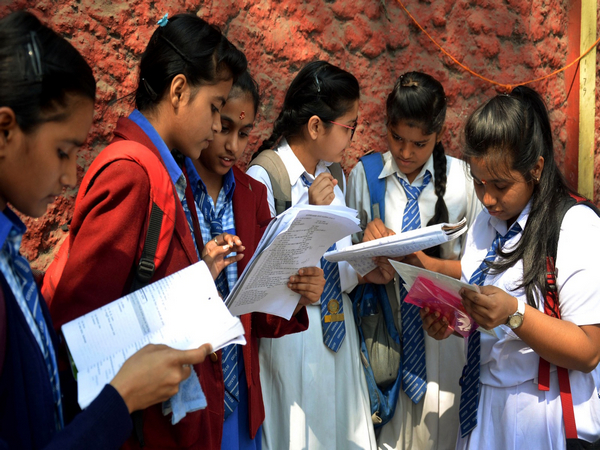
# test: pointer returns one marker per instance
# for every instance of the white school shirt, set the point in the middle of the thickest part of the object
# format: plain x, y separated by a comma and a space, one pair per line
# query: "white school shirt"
431, 424
460, 197
509, 367
348, 277
314, 398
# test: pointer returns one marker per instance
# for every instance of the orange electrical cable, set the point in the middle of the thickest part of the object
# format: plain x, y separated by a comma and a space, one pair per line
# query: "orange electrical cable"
508, 87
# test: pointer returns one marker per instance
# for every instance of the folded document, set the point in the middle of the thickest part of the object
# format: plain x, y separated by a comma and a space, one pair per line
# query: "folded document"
295, 239
360, 255
182, 311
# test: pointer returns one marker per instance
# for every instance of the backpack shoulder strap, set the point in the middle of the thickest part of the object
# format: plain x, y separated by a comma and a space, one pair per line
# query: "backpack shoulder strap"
373, 164
161, 208
551, 307
279, 177
338, 173
154, 245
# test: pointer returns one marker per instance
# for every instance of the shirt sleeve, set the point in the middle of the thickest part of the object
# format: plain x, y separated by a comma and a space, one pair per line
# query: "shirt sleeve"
578, 266
104, 425
259, 173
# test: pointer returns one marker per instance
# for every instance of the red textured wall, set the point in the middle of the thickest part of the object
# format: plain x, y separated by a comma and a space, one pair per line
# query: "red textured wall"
508, 41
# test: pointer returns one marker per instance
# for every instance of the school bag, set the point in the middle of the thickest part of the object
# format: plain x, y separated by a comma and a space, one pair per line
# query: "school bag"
161, 214
280, 179
551, 307
380, 342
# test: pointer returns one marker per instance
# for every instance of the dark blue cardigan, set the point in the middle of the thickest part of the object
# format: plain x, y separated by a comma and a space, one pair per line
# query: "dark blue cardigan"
26, 403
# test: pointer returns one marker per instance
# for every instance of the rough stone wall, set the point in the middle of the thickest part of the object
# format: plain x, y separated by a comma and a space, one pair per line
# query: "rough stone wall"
509, 41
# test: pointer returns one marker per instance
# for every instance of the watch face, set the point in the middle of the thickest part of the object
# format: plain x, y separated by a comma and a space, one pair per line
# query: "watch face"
515, 321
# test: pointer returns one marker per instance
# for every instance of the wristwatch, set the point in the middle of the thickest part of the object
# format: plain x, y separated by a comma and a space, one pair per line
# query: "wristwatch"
516, 320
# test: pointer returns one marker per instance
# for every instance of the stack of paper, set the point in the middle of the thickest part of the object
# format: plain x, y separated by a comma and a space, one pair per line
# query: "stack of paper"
295, 239
182, 311
360, 255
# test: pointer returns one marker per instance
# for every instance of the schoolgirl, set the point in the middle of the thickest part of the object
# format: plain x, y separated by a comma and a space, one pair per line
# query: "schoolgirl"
508, 144
423, 187
228, 199
186, 73
47, 93
314, 388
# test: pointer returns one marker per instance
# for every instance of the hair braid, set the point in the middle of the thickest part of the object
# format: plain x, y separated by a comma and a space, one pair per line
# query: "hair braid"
441, 210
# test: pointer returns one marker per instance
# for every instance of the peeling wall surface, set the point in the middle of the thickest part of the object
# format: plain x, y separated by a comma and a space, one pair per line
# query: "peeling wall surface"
508, 41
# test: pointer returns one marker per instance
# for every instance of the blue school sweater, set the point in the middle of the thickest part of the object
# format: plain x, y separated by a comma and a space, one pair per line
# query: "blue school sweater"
26, 402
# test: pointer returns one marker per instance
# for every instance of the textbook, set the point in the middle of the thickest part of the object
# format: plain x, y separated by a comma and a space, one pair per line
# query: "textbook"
183, 311
439, 293
296, 238
402, 244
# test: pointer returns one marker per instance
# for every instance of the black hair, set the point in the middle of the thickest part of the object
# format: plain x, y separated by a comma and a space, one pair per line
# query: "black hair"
511, 132
319, 89
245, 84
190, 46
38, 70
419, 101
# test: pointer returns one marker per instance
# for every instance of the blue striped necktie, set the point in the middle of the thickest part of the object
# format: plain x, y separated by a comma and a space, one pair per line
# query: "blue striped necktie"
24, 276
229, 358
332, 305
469, 397
414, 370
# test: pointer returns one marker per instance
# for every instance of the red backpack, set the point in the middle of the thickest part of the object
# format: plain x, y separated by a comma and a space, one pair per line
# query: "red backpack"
161, 214
551, 307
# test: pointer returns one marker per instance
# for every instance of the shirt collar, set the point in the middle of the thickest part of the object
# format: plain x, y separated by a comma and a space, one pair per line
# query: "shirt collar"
500, 225
390, 168
170, 163
293, 165
8, 221
197, 183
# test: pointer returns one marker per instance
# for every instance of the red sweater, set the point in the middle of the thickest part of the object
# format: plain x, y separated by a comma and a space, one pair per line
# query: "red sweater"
107, 228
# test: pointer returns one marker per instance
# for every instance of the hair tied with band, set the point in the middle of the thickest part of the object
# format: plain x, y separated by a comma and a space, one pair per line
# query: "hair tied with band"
164, 21
409, 83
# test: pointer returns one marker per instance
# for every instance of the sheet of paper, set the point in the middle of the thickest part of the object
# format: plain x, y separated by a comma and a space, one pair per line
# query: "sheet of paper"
410, 273
182, 311
360, 255
295, 239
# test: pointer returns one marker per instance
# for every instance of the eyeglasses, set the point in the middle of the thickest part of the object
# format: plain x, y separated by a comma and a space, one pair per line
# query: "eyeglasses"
345, 126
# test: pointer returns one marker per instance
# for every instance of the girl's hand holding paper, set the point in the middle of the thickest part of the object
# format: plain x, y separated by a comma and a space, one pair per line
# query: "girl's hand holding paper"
490, 308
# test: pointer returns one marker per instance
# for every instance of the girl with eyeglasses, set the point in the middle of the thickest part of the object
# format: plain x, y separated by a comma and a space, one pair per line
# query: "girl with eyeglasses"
314, 388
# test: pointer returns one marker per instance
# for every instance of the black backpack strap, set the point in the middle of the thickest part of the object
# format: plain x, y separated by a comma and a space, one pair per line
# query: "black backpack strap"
145, 269
143, 275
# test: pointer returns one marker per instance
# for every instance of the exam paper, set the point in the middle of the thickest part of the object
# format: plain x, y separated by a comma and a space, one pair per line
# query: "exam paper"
295, 239
360, 255
182, 311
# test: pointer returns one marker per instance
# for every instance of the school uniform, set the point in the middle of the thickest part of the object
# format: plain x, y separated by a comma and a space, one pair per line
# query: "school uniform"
246, 214
513, 413
28, 412
428, 424
106, 231
314, 398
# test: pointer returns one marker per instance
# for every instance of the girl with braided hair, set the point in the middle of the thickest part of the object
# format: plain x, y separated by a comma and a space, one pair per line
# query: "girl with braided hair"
422, 179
